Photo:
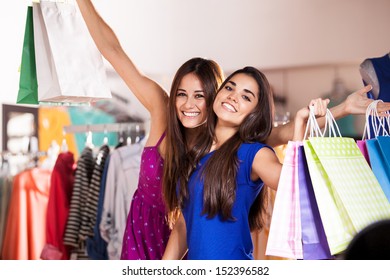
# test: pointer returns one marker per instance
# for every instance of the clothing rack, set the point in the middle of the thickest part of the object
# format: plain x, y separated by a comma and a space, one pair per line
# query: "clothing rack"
137, 127
6, 154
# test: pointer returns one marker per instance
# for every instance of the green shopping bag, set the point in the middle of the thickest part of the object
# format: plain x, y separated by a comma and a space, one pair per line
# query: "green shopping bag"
28, 85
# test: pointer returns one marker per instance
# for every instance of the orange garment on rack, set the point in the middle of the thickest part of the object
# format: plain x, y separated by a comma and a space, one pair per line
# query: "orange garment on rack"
25, 231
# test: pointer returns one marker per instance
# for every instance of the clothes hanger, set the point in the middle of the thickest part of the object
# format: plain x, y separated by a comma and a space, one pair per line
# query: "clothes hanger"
105, 139
88, 140
121, 140
52, 155
64, 144
137, 133
128, 139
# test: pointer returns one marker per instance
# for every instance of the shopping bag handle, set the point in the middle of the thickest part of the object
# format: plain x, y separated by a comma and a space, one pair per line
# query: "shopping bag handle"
314, 130
376, 122
312, 126
331, 125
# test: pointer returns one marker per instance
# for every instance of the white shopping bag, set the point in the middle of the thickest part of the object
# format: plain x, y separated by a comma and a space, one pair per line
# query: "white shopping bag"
70, 68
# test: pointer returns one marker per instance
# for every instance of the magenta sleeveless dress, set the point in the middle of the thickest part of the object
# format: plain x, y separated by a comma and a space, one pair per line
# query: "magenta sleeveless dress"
147, 232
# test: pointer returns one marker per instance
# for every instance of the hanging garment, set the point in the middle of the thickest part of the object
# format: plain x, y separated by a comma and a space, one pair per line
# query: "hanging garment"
62, 180
51, 123
6, 182
122, 179
89, 211
96, 245
25, 232
80, 192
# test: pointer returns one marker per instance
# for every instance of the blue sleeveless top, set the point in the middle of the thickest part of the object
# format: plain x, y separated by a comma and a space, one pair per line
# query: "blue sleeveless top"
382, 70
213, 239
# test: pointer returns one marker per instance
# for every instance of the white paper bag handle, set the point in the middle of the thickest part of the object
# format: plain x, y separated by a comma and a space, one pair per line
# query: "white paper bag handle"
312, 126
331, 125
314, 129
376, 122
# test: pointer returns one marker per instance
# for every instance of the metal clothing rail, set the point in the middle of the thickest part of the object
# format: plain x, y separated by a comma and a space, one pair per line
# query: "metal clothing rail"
6, 154
137, 127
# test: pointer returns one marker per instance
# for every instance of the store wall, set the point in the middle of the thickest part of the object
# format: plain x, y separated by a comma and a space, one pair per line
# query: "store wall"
305, 39
301, 84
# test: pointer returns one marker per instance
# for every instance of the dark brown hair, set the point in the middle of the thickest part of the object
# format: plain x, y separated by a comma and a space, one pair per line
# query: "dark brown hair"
179, 155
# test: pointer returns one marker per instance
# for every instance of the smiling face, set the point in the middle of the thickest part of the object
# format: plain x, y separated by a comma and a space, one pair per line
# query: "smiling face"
236, 100
190, 102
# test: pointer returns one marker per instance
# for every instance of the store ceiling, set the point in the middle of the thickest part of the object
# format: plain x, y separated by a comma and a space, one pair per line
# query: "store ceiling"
161, 35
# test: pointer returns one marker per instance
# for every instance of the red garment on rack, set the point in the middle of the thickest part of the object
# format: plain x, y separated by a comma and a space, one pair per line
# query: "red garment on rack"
25, 234
58, 207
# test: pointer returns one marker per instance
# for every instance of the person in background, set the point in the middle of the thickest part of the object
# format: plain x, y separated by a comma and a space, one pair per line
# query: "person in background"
376, 72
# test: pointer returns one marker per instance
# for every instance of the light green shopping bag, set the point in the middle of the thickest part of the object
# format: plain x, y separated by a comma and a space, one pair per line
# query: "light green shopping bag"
337, 225
28, 85
353, 180
352, 186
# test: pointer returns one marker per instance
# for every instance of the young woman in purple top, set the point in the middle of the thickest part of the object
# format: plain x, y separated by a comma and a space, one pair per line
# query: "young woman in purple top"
192, 93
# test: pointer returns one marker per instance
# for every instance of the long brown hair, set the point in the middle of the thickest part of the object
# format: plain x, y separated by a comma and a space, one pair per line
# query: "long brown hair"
220, 171
179, 156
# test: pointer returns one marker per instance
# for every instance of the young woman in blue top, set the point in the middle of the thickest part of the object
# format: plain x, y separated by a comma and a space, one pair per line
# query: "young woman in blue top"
219, 191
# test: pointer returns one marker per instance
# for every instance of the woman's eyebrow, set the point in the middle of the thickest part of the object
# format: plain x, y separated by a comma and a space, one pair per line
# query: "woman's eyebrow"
248, 91
233, 83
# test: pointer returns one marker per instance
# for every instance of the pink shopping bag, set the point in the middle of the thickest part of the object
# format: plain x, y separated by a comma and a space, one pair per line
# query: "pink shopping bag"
285, 234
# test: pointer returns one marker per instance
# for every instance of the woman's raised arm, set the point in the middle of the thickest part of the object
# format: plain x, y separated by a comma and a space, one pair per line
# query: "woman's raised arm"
152, 96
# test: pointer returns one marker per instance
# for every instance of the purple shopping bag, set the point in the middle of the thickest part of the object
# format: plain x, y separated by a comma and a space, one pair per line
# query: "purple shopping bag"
314, 243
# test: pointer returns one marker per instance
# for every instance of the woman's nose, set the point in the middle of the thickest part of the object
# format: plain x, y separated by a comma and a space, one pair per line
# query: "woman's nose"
189, 103
232, 96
